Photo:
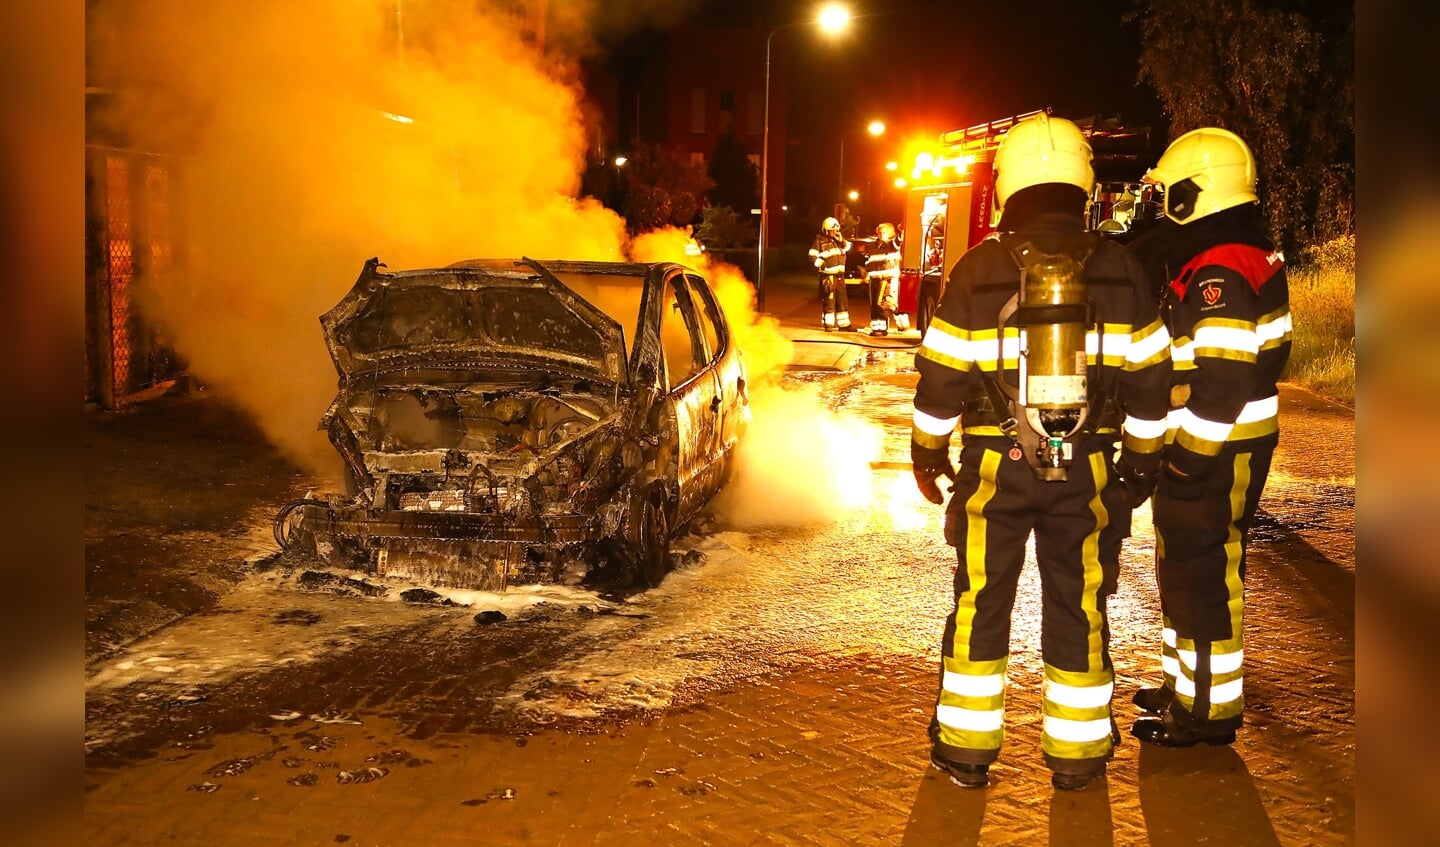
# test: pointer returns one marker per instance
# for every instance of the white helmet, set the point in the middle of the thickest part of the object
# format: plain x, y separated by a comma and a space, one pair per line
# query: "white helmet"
1041, 149
829, 224
1204, 171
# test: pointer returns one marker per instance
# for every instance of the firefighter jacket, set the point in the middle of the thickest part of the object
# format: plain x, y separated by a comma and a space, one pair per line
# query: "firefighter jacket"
883, 265
1128, 349
1227, 306
827, 253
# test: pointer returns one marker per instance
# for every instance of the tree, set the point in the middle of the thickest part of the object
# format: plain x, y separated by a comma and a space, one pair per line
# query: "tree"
737, 180
1283, 80
656, 187
723, 229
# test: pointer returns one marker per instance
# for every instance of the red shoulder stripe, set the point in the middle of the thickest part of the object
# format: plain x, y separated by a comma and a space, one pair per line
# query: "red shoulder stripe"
1255, 264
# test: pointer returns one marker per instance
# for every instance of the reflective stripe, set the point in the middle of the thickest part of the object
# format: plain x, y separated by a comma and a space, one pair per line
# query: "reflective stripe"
883, 273
1183, 352
1077, 731
1116, 344
1184, 686
969, 720
1143, 347
931, 425
1275, 330
1226, 692
1220, 663
1086, 697
968, 685
942, 339
1259, 410
1170, 665
1142, 428
1167, 636
1226, 662
1200, 427
1227, 338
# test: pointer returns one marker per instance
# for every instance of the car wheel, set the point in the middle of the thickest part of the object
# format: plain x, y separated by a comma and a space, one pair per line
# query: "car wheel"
929, 302
654, 552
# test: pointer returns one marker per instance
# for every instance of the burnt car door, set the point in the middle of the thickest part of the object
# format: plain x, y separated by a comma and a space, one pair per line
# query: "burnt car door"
732, 401
691, 405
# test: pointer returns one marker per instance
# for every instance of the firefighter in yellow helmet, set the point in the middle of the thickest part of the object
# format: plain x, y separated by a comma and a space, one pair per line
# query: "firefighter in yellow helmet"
827, 253
1016, 360
1227, 308
882, 270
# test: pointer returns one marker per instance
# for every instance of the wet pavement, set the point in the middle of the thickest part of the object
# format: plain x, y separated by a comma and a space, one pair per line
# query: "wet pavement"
775, 689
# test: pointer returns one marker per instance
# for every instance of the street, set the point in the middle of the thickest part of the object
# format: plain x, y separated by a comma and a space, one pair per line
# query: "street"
774, 689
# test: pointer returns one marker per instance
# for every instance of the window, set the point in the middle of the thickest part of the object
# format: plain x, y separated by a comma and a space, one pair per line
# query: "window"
684, 353
697, 110
708, 315
727, 101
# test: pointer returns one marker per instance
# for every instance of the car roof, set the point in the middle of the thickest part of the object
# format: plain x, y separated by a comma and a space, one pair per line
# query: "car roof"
562, 266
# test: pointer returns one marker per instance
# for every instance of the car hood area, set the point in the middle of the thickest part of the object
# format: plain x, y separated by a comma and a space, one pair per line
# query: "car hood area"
515, 318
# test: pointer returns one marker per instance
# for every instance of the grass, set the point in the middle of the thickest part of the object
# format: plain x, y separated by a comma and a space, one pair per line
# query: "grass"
1322, 304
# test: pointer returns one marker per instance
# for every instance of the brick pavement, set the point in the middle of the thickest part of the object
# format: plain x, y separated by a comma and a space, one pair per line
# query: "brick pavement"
826, 748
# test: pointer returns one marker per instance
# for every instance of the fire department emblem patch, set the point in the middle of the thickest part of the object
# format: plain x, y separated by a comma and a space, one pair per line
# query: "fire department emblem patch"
1015, 454
1211, 292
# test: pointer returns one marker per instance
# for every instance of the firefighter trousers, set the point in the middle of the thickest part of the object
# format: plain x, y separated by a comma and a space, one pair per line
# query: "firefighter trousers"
834, 301
997, 503
1201, 529
882, 308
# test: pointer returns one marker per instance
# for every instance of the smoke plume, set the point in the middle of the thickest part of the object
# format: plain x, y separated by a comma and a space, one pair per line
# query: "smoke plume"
319, 134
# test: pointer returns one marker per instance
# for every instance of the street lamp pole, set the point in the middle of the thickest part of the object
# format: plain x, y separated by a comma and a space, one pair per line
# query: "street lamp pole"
831, 19
765, 178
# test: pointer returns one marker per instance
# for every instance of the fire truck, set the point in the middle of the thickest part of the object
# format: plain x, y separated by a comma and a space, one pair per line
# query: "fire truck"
949, 197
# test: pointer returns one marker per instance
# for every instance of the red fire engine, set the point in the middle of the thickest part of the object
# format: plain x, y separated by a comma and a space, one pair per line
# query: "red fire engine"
950, 196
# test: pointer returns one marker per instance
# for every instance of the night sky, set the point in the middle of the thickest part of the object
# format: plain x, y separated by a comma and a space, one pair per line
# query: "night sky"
925, 67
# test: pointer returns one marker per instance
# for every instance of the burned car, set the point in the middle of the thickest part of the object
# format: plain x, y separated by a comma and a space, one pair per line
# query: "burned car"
495, 430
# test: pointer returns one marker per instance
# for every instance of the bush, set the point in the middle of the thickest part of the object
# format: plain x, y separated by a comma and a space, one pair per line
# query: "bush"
1322, 305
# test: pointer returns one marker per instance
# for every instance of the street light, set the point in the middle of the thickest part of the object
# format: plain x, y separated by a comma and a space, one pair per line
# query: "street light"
876, 128
832, 19
620, 161
853, 195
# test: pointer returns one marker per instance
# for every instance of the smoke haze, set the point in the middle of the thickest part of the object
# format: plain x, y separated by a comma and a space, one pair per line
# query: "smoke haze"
296, 175
320, 134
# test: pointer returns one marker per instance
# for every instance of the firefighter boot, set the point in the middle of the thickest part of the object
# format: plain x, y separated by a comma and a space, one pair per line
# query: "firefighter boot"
1076, 781
962, 774
1154, 700
1168, 731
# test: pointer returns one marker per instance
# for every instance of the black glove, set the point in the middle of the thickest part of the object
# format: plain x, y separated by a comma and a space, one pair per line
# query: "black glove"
1137, 484
1181, 486
931, 463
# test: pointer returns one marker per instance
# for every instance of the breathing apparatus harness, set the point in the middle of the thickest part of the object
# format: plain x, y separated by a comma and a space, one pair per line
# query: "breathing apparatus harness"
1051, 408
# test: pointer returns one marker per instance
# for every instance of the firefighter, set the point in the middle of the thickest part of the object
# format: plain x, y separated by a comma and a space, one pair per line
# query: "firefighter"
882, 269
828, 253
1013, 481
1226, 303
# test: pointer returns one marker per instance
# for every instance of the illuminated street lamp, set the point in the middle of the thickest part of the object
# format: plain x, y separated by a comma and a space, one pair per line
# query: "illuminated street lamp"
892, 166
832, 19
620, 161
853, 195
876, 128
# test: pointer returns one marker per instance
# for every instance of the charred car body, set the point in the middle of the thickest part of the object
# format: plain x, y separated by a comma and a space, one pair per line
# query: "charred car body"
495, 430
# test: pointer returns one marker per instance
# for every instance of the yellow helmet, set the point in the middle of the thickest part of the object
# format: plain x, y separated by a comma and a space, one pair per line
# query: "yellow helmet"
885, 231
1041, 149
1204, 171
829, 224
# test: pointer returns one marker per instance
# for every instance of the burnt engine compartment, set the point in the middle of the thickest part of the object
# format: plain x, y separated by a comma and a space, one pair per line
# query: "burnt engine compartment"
514, 451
